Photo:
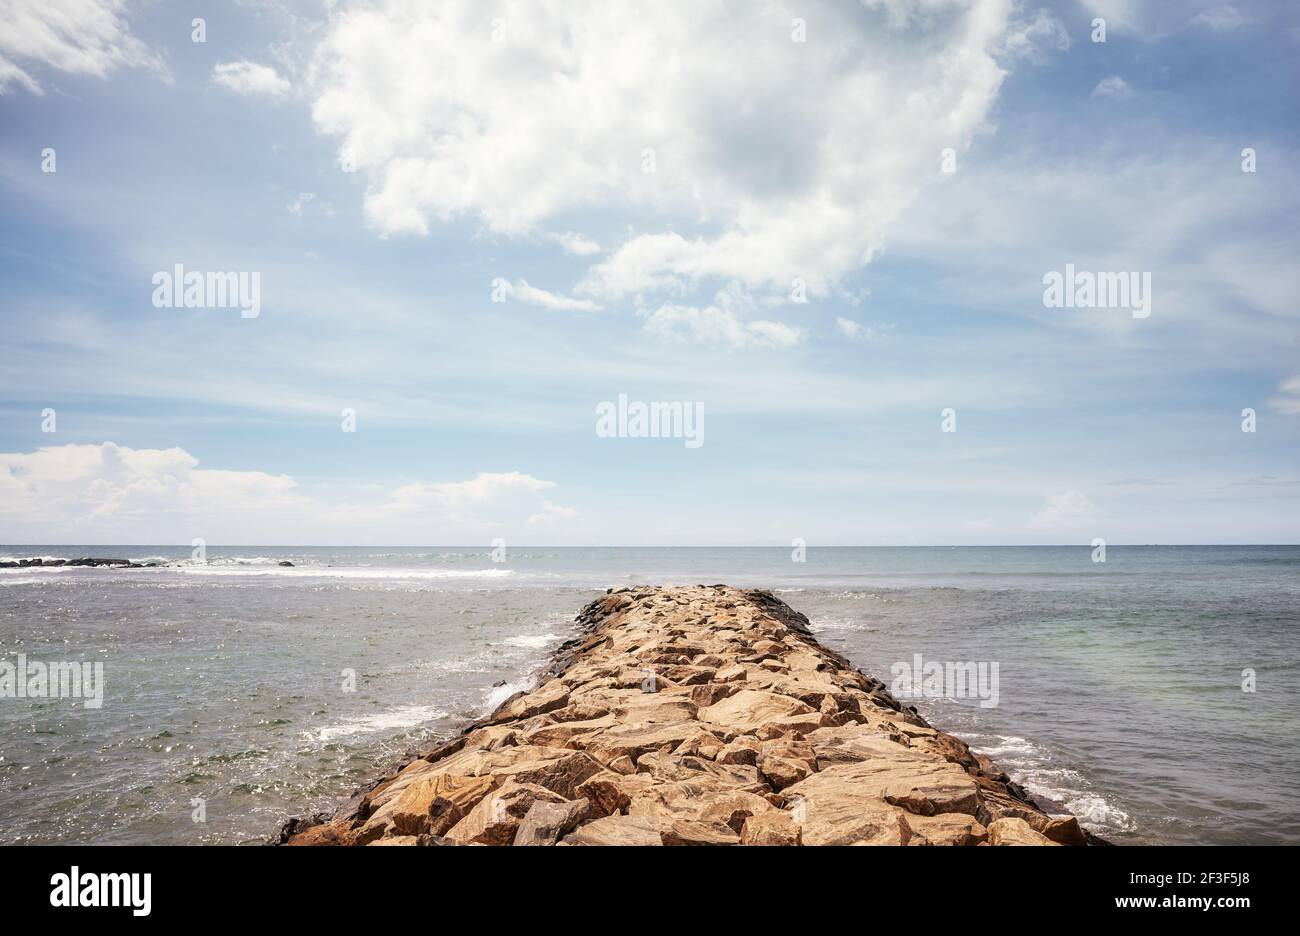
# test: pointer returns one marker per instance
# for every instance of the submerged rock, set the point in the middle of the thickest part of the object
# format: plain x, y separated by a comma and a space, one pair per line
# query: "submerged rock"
696, 716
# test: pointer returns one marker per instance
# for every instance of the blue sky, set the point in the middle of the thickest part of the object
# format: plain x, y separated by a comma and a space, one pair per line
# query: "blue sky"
508, 142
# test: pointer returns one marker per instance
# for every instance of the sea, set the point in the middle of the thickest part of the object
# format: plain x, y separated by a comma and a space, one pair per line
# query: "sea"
1154, 695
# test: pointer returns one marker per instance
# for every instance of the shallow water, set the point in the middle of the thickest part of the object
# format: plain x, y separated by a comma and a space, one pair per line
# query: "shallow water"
1118, 695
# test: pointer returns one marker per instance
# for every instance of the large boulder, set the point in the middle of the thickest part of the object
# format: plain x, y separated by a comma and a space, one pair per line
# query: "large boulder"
748, 708
616, 830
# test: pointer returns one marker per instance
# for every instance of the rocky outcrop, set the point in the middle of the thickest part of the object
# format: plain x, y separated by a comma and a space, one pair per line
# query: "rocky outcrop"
84, 561
695, 716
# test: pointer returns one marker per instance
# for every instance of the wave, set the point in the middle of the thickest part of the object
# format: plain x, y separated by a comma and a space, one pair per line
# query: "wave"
407, 716
498, 694
345, 572
532, 641
1030, 765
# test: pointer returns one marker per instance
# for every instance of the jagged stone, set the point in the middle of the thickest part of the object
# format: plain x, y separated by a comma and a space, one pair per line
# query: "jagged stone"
695, 716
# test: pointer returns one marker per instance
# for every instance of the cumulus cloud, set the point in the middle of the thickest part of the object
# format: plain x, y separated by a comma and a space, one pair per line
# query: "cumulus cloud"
109, 487
113, 493
762, 159
575, 244
722, 326
1220, 19
1289, 403
1120, 15
78, 37
1064, 510
531, 295
851, 329
552, 513
1113, 87
488, 499
1035, 38
250, 79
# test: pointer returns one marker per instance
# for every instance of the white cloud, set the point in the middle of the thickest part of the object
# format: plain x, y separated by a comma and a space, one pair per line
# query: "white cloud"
1064, 510
300, 203
1120, 15
1288, 405
851, 329
1113, 87
552, 513
79, 37
1034, 40
773, 159
489, 499
714, 325
575, 244
250, 79
112, 493
1220, 19
531, 295
111, 487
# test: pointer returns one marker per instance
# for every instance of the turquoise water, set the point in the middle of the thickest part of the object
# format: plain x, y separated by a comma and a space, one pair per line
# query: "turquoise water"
1119, 690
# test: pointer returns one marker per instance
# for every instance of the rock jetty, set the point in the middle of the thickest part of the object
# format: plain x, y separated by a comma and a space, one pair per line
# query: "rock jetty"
702, 715
86, 561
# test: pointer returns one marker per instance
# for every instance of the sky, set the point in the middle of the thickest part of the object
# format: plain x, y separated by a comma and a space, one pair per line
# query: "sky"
824, 228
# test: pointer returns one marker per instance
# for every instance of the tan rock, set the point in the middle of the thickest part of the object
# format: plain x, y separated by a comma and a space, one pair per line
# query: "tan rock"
616, 830
946, 829
496, 818
1064, 830
610, 793
782, 772
432, 805
697, 832
748, 709
741, 750
1012, 831
546, 822
546, 698
753, 733
772, 827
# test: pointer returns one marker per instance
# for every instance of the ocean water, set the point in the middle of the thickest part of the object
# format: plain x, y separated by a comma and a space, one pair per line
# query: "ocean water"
1119, 684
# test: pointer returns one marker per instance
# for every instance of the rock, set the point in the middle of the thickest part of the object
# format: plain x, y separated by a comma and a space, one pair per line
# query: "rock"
611, 793
1012, 831
751, 733
694, 832
552, 695
545, 822
748, 709
1064, 830
946, 829
616, 830
286, 564
496, 818
771, 828
782, 772
740, 750
432, 806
